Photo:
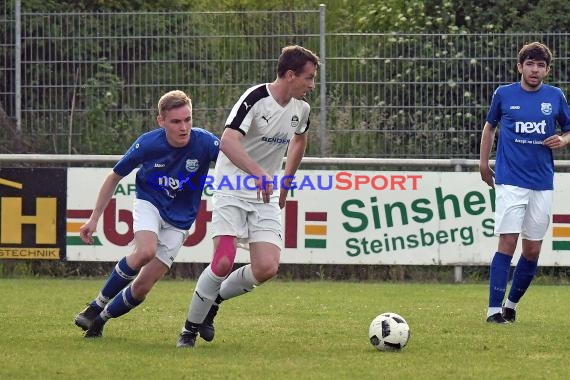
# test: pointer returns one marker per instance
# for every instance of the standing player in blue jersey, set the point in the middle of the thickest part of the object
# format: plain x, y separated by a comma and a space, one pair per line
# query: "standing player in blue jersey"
268, 120
528, 112
173, 159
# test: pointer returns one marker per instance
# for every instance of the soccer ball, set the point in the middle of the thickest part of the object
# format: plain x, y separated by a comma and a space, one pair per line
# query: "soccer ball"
389, 332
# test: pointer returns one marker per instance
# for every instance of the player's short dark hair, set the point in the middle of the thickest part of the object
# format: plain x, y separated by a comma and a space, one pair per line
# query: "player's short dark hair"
295, 57
173, 99
535, 51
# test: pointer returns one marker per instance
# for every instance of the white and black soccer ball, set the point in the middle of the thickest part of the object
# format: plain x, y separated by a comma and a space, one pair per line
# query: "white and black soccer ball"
389, 332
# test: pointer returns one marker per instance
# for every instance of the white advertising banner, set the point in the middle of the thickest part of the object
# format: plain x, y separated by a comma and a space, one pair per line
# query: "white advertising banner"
339, 217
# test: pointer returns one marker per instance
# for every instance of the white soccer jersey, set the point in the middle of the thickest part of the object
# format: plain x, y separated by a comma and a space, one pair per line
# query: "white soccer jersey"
267, 128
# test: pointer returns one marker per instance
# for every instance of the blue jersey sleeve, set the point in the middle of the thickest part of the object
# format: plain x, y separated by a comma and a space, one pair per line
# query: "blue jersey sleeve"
132, 158
214, 148
564, 116
494, 114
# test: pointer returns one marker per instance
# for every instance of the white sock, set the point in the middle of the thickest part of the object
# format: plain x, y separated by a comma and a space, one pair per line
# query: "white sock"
493, 310
205, 294
510, 304
239, 282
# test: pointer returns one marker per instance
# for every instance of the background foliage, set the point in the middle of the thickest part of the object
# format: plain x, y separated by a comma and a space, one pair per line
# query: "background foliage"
384, 129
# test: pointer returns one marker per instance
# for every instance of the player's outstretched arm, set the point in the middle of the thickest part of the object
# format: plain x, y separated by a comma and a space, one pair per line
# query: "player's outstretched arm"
233, 148
105, 193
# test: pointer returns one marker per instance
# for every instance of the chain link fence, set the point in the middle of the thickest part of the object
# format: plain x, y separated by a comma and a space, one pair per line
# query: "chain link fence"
88, 82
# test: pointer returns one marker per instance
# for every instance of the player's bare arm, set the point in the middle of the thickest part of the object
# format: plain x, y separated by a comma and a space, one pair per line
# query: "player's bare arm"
487, 174
295, 153
105, 194
233, 148
557, 141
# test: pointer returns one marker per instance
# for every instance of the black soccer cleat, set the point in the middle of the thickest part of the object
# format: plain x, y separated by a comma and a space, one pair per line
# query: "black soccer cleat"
206, 328
510, 315
86, 317
96, 329
187, 339
497, 318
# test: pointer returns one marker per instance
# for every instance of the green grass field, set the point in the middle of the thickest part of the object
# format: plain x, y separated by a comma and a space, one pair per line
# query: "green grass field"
285, 330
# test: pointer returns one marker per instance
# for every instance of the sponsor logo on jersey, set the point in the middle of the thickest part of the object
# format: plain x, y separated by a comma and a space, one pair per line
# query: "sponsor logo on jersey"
546, 108
157, 165
246, 105
295, 121
530, 127
277, 139
170, 185
515, 107
192, 165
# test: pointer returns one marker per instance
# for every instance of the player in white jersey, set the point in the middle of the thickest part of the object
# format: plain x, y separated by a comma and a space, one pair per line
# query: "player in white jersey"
267, 121
266, 127
528, 112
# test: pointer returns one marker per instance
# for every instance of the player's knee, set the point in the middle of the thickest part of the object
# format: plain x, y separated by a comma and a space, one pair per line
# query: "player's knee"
224, 256
508, 243
222, 267
265, 272
142, 256
532, 253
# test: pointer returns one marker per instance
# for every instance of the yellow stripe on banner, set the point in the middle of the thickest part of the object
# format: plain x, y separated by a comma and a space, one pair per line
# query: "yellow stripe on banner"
73, 227
9, 183
561, 231
315, 230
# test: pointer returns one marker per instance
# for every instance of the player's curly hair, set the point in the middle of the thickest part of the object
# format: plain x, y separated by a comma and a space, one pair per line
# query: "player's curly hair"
535, 51
173, 99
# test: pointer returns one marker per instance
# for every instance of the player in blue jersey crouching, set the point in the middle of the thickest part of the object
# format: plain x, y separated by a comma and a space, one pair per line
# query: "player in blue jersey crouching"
528, 112
172, 160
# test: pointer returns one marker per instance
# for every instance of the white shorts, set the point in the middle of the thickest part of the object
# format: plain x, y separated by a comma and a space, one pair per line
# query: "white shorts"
250, 222
147, 218
524, 211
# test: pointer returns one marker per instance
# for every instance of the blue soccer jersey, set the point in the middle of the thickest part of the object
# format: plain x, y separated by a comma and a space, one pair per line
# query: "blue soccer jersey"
527, 118
171, 178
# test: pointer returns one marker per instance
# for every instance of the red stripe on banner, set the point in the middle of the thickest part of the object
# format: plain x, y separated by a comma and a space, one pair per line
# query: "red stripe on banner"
79, 214
291, 212
316, 216
561, 218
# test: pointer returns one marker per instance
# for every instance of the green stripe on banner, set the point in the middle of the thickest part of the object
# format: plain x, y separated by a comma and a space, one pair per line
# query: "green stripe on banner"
76, 240
561, 245
315, 243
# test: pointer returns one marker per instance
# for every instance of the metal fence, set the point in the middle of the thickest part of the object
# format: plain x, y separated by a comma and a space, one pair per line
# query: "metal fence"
68, 78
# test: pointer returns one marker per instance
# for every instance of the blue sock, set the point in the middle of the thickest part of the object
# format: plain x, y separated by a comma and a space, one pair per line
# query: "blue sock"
121, 304
523, 276
498, 278
120, 277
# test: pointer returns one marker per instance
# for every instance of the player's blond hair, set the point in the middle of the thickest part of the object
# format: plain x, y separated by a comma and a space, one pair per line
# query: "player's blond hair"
173, 99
